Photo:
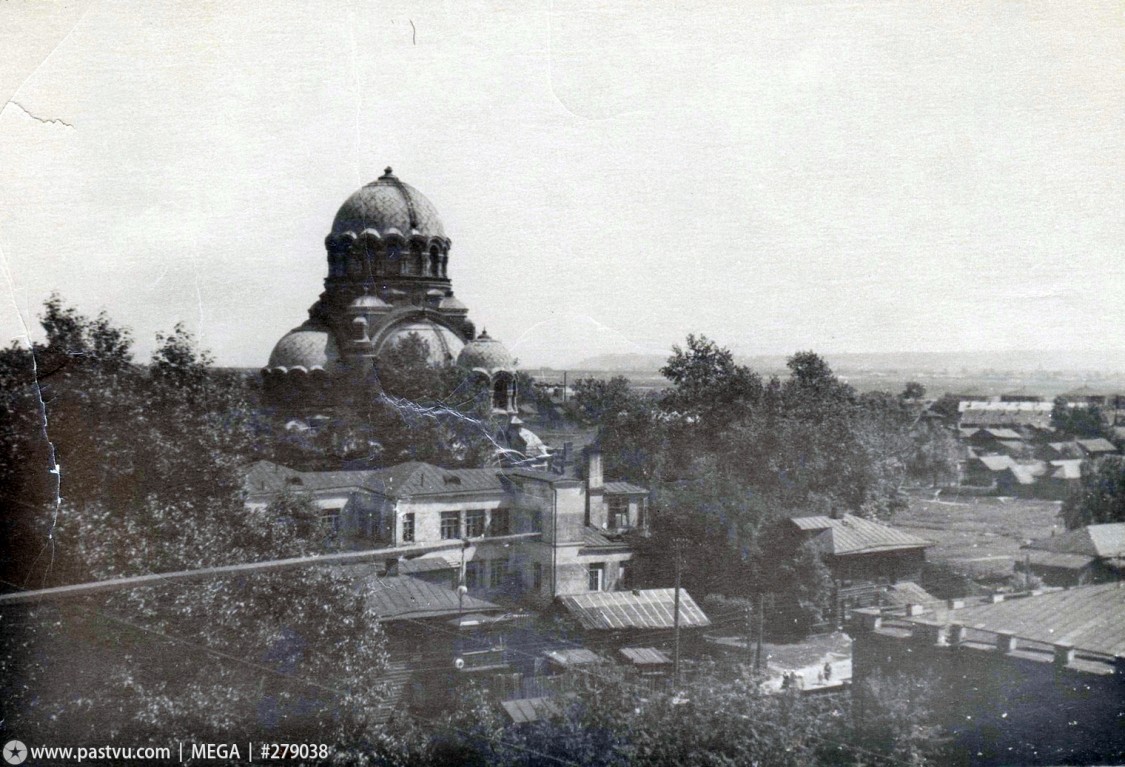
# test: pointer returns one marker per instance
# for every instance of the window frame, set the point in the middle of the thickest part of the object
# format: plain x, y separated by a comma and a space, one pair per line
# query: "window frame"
496, 529
595, 569
450, 516
617, 512
476, 523
498, 571
409, 528
474, 575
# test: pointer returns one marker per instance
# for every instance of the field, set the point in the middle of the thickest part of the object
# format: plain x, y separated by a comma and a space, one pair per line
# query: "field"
978, 536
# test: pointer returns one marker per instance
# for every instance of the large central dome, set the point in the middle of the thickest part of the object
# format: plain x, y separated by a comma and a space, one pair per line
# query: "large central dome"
387, 204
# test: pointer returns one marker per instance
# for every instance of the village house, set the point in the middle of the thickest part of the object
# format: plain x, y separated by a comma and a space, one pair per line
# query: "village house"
1091, 554
863, 555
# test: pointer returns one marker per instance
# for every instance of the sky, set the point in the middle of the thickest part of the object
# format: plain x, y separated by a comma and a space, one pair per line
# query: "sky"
838, 176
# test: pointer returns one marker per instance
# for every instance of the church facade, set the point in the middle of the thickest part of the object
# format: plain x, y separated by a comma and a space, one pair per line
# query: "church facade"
388, 277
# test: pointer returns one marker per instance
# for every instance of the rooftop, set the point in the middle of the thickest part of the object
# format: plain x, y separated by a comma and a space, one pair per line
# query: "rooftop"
856, 535
1106, 540
647, 609
1090, 618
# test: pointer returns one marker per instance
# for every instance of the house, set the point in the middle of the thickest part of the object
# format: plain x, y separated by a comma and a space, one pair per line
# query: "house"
514, 533
1091, 554
1035, 679
862, 552
1096, 448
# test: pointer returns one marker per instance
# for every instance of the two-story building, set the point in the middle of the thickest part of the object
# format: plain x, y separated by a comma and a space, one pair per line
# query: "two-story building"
522, 533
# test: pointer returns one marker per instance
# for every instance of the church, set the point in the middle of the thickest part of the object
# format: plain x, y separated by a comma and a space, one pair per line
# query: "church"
388, 277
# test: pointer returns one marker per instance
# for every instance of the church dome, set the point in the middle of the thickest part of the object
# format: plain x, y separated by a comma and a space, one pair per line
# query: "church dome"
485, 353
305, 347
388, 204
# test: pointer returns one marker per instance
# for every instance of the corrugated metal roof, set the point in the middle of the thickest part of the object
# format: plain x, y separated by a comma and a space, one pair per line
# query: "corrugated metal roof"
399, 597
523, 710
812, 523
647, 609
1106, 540
624, 488
645, 656
856, 535
1090, 618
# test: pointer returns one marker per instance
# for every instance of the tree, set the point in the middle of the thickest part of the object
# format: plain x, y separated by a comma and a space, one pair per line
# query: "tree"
1101, 497
1080, 421
913, 391
708, 385
151, 482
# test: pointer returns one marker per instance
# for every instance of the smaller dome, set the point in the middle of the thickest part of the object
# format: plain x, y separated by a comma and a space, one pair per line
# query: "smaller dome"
368, 303
452, 304
307, 347
485, 353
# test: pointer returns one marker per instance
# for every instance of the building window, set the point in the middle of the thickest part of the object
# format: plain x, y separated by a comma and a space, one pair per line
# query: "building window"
618, 512
498, 571
330, 524
501, 522
536, 576
473, 575
474, 523
596, 576
450, 525
408, 527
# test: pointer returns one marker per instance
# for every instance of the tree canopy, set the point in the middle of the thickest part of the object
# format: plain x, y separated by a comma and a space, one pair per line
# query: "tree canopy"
120, 469
1101, 497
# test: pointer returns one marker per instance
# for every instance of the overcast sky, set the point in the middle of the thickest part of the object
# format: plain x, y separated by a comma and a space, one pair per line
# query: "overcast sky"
841, 176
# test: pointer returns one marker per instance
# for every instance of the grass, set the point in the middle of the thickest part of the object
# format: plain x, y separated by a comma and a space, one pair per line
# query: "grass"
978, 536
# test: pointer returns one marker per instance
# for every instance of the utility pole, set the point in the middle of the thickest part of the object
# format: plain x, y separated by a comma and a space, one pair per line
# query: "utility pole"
761, 629
676, 621
749, 611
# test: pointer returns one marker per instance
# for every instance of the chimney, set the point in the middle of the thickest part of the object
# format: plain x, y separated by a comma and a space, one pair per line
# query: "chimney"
594, 479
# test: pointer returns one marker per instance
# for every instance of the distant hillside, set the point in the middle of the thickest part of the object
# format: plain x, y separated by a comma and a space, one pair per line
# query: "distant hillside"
1103, 362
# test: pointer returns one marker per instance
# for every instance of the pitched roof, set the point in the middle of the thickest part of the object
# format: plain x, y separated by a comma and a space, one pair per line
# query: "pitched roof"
1089, 617
647, 609
413, 478
1003, 434
574, 656
593, 539
1099, 445
644, 656
1106, 540
624, 488
399, 597
908, 593
856, 535
1053, 559
1067, 469
996, 462
523, 710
